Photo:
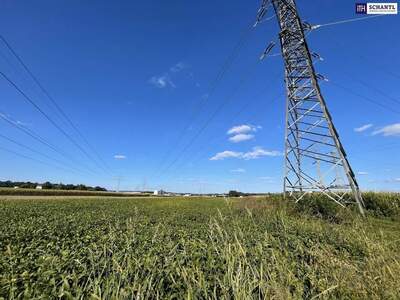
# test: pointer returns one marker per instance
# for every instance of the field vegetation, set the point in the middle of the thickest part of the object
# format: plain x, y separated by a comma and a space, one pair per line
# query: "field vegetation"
198, 248
55, 192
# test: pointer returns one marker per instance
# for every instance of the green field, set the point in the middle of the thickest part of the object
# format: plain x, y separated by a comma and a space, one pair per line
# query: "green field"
198, 248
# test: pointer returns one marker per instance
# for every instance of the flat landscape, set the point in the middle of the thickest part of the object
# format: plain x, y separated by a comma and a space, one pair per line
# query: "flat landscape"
191, 248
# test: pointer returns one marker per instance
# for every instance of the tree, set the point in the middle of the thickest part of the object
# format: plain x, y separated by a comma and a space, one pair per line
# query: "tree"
47, 186
234, 194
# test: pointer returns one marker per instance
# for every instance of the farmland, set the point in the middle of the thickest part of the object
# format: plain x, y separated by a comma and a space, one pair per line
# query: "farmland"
174, 248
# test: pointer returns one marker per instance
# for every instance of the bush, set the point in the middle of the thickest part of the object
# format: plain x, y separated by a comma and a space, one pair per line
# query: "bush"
382, 204
318, 205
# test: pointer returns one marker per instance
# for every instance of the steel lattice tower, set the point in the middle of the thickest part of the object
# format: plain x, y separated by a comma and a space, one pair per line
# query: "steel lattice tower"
314, 156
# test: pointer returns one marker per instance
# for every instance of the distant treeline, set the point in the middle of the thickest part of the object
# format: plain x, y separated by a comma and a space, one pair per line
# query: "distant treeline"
240, 194
50, 186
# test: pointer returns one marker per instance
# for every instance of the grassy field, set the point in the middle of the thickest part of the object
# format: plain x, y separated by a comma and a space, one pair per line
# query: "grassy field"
198, 248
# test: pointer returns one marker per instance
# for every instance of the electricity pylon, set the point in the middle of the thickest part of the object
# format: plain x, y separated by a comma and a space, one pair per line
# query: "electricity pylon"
313, 151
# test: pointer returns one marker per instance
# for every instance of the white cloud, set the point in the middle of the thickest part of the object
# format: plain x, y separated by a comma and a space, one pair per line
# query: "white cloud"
238, 170
119, 156
362, 173
241, 137
166, 79
243, 129
363, 128
397, 179
178, 67
162, 81
389, 130
256, 153
226, 154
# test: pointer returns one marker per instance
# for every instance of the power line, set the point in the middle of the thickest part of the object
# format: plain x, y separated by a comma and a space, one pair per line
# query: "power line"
365, 59
345, 21
377, 90
31, 158
274, 78
213, 86
273, 99
203, 153
384, 94
60, 110
365, 98
41, 140
208, 121
35, 151
243, 108
240, 111
12, 83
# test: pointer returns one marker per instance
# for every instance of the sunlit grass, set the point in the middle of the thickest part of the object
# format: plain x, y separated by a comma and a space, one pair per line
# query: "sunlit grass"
197, 248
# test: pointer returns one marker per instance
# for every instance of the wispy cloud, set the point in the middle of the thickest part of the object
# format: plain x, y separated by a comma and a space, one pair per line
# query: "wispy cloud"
226, 154
363, 128
119, 156
178, 67
389, 130
238, 170
162, 81
362, 173
245, 128
166, 80
255, 153
258, 152
241, 137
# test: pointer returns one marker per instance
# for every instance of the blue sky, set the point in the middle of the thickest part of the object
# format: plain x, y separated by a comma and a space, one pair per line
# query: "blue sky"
133, 75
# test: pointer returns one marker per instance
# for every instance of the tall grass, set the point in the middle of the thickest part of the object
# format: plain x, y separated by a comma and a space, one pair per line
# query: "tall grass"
194, 249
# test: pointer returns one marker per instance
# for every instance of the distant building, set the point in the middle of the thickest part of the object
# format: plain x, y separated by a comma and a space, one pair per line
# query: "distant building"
16, 187
159, 193
187, 195
39, 187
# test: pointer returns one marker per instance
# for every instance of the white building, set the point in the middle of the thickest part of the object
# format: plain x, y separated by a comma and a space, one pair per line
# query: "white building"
159, 193
39, 187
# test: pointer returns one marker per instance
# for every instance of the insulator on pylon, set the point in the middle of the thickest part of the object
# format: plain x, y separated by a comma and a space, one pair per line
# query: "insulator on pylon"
317, 56
267, 50
260, 16
264, 5
321, 77
307, 26
261, 12
315, 27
